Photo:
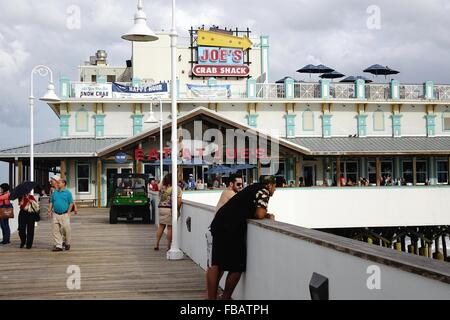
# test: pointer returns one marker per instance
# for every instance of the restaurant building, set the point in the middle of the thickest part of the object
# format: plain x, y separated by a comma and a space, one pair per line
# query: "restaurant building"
321, 131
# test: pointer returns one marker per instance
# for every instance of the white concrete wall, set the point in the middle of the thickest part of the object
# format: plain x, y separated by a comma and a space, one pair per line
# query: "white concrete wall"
413, 120
343, 121
118, 120
280, 266
386, 109
439, 123
74, 108
316, 109
353, 207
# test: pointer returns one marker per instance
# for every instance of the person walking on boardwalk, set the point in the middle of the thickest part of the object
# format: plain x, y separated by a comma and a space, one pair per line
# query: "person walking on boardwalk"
229, 234
60, 208
4, 221
165, 210
27, 219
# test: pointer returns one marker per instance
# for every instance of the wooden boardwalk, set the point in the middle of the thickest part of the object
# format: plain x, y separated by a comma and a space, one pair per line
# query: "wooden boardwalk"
116, 262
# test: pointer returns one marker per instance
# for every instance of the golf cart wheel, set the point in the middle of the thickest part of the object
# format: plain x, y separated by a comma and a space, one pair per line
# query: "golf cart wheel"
113, 216
146, 219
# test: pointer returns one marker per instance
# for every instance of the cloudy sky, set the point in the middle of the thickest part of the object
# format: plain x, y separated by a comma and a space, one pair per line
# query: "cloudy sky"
349, 35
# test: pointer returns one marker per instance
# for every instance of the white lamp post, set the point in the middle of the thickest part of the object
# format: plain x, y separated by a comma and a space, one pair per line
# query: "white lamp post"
151, 119
50, 96
140, 32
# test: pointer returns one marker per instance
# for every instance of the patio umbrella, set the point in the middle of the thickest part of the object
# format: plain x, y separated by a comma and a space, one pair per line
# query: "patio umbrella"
332, 75
221, 170
378, 69
23, 189
353, 79
309, 69
244, 166
323, 69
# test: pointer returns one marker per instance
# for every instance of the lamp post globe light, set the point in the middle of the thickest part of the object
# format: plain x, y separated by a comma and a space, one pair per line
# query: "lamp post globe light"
50, 97
141, 32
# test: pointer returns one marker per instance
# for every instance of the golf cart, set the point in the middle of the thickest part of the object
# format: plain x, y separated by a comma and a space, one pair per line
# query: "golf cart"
129, 198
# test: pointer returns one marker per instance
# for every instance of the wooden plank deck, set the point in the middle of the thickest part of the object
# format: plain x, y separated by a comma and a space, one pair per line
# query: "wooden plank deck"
116, 262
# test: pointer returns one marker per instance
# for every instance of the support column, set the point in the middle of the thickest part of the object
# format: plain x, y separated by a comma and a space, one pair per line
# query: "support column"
139, 163
338, 171
99, 183
20, 175
63, 169
10, 175
378, 171
432, 176
16, 172
414, 170
265, 57
298, 166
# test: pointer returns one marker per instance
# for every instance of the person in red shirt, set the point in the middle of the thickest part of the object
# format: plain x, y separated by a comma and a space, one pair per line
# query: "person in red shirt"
26, 222
4, 223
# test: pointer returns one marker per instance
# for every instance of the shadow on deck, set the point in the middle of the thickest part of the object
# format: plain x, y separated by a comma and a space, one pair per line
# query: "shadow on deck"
116, 262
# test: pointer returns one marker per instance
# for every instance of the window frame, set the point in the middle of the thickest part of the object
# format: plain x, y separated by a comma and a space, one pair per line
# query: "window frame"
379, 111
438, 172
77, 178
308, 111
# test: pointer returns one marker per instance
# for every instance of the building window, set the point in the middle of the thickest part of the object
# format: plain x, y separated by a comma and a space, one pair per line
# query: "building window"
83, 177
446, 121
349, 170
387, 170
308, 120
378, 120
82, 121
111, 78
407, 171
442, 171
421, 171
94, 78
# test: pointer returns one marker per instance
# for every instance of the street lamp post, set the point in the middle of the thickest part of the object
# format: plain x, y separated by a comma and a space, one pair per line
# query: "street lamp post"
50, 96
174, 253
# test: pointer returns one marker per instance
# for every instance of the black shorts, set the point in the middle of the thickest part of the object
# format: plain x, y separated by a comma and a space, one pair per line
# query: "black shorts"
229, 252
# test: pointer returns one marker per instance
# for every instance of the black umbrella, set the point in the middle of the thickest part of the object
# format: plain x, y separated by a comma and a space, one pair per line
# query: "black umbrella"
353, 79
23, 189
308, 69
324, 69
378, 69
284, 79
332, 75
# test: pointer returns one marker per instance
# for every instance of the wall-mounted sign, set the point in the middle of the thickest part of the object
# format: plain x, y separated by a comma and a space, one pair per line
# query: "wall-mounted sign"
202, 70
218, 39
90, 90
204, 91
216, 55
221, 54
120, 91
121, 158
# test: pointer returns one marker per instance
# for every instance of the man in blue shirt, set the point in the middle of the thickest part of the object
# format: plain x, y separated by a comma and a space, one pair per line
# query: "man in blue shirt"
61, 204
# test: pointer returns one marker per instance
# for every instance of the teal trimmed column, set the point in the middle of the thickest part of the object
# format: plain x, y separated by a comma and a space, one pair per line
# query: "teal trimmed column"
362, 125
265, 57
326, 125
212, 82
433, 171
287, 165
64, 87
397, 125
136, 82
137, 123
395, 90
99, 125
290, 125
428, 90
178, 88
289, 88
253, 120
64, 125
325, 89
397, 171
101, 79
251, 88
431, 125
360, 89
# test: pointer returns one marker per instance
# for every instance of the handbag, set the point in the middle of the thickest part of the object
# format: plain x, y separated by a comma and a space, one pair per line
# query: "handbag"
33, 208
7, 213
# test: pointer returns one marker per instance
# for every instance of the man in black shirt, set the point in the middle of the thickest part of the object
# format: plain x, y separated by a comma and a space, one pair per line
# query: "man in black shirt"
229, 234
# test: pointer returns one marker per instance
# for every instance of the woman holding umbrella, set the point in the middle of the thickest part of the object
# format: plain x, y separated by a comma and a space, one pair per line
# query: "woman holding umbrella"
4, 221
28, 212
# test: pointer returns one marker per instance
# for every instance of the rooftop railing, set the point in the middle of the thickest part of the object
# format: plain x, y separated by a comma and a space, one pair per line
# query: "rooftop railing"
289, 90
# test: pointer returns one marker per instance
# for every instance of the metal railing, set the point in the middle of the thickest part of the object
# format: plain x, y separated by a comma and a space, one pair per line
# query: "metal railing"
411, 92
442, 92
342, 90
377, 91
270, 90
306, 90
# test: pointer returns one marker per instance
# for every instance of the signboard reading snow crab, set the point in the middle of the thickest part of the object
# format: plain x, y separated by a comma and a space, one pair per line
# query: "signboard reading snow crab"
221, 55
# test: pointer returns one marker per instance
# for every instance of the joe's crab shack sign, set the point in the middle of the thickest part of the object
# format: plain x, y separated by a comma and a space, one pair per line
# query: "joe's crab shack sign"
221, 55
